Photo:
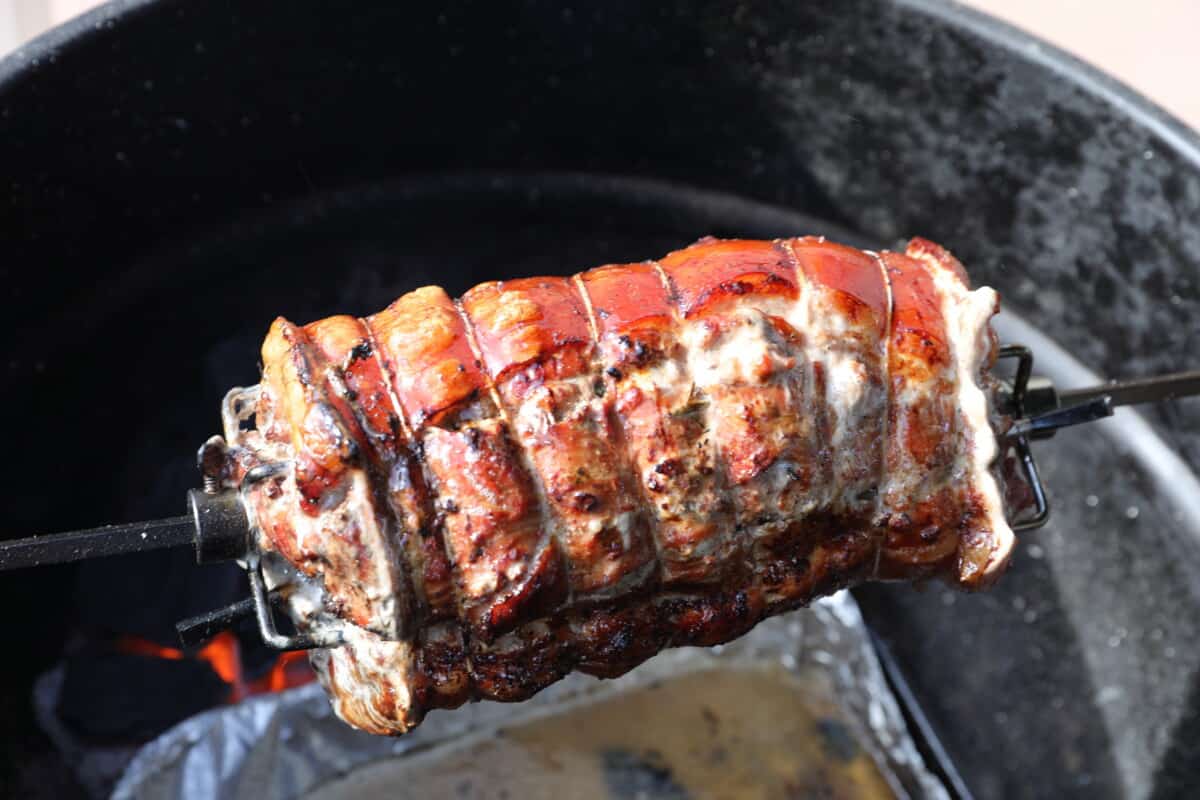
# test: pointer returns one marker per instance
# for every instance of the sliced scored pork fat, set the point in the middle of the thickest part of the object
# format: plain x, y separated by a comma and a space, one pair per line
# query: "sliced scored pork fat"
554, 474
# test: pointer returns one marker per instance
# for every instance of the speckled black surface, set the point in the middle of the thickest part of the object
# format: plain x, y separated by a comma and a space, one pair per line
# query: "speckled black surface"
172, 176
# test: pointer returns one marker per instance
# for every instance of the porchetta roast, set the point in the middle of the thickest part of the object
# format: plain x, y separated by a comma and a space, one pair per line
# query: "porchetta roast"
554, 474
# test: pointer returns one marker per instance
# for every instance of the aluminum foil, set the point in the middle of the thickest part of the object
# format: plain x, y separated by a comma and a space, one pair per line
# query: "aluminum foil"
290, 744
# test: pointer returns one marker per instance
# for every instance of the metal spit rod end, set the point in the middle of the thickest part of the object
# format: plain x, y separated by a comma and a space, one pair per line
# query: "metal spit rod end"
1078, 414
222, 532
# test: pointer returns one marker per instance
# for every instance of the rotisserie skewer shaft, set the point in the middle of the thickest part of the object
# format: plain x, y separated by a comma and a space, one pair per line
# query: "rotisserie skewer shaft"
107, 540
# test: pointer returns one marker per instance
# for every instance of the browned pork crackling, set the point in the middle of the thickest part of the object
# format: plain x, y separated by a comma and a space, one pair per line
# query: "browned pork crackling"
554, 474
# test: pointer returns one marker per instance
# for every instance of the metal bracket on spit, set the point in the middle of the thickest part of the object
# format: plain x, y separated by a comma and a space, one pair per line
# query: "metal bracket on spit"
1020, 441
263, 611
265, 615
1037, 415
236, 407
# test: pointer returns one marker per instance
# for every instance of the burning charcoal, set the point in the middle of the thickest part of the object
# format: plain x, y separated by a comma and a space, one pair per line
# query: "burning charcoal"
123, 696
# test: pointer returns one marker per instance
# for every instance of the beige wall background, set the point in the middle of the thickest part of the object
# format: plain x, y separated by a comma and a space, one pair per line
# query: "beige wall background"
1153, 45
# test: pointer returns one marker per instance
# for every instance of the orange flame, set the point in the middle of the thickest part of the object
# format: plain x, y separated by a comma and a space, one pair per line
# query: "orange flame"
144, 647
224, 656
290, 669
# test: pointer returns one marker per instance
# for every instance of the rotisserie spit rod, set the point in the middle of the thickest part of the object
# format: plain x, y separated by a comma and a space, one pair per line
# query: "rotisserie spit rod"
780, 343
216, 525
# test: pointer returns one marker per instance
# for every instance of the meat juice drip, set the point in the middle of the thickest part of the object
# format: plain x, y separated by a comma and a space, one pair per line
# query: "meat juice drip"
751, 733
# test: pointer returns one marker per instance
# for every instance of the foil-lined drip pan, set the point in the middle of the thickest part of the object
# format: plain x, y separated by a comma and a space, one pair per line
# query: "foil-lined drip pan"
799, 705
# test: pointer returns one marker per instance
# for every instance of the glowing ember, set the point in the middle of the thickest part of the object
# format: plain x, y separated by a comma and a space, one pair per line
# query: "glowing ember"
290, 669
144, 647
224, 656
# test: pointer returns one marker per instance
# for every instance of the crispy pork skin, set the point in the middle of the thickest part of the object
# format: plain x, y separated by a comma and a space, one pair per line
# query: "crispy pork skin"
554, 474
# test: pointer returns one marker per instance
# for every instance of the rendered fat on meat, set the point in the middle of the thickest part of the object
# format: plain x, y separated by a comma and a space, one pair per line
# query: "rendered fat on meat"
985, 540
507, 566
919, 497
841, 314
941, 494
487, 515
662, 421
535, 337
765, 350
535, 340
434, 662
341, 532
560, 474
